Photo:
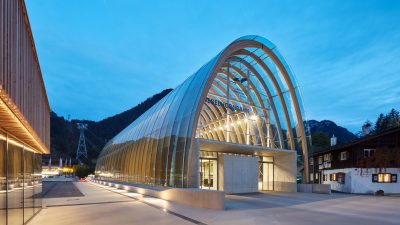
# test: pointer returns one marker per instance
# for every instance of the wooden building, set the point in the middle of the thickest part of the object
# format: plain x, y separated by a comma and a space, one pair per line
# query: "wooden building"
365, 165
24, 117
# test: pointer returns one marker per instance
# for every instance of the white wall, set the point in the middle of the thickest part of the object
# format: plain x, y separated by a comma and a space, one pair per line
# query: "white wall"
285, 169
359, 181
239, 174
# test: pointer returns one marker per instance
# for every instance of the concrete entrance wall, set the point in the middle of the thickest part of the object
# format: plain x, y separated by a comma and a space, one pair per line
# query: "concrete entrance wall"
237, 173
285, 169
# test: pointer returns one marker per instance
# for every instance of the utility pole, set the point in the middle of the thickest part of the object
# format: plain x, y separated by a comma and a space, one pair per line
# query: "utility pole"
81, 150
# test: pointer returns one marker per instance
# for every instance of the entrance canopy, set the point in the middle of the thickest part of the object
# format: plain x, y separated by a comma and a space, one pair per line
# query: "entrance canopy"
207, 145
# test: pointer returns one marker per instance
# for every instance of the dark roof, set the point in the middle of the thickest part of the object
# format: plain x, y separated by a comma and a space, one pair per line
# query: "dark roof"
358, 141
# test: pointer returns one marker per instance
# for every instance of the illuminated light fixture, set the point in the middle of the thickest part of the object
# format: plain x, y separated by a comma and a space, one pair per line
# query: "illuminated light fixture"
246, 120
16, 143
26, 133
238, 122
215, 129
220, 127
253, 117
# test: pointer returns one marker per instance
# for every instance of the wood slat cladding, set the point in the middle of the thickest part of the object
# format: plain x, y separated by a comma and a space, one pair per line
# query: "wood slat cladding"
21, 83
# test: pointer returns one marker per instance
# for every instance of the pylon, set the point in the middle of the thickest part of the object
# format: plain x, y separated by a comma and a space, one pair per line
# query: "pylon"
81, 150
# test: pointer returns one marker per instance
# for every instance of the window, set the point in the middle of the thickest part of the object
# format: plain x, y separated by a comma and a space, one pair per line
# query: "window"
369, 152
311, 177
325, 177
341, 178
384, 178
333, 177
320, 160
327, 157
317, 176
344, 156
311, 161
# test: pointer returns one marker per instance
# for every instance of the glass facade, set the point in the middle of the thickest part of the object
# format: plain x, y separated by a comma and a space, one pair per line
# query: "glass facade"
266, 173
246, 95
20, 181
208, 173
24, 117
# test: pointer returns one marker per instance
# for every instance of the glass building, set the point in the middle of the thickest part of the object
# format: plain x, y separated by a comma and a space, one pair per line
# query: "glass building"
242, 108
24, 117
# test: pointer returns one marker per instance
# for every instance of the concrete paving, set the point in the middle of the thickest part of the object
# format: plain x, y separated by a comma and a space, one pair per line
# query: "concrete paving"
105, 205
52, 189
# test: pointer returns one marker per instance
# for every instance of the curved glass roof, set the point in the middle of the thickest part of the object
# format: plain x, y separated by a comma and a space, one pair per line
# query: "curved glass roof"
246, 95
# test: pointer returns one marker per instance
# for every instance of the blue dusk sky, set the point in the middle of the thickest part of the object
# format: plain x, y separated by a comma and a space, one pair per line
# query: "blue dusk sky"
102, 57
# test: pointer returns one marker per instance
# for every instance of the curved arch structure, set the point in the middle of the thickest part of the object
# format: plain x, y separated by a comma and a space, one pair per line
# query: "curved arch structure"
246, 95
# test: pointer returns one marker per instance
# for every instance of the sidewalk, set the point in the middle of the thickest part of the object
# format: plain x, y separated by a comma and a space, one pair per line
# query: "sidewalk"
100, 206
107, 205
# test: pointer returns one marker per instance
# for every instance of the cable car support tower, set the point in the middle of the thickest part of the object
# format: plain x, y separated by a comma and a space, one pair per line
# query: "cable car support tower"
81, 151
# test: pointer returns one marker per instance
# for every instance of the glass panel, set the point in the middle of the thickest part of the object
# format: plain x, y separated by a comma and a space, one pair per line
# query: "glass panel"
208, 174
37, 182
266, 176
28, 185
15, 185
3, 182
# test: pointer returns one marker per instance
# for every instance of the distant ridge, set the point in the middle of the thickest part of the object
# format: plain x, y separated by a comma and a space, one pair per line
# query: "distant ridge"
330, 128
64, 133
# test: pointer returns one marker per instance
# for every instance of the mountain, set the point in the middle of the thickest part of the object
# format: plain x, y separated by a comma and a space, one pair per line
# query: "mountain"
65, 134
330, 128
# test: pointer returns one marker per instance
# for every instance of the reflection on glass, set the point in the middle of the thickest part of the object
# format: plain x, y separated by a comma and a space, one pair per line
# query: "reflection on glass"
266, 174
208, 174
15, 185
3, 182
37, 177
28, 185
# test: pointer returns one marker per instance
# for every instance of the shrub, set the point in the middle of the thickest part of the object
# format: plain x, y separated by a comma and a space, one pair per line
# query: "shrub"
380, 193
81, 170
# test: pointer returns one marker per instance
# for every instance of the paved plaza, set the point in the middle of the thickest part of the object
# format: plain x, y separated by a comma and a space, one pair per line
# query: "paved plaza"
105, 205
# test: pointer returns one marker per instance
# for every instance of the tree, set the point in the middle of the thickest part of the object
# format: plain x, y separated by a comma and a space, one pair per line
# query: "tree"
320, 141
81, 170
393, 118
379, 123
390, 120
366, 128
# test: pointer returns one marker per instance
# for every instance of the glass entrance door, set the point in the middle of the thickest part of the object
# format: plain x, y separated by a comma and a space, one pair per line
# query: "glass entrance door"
208, 174
266, 174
